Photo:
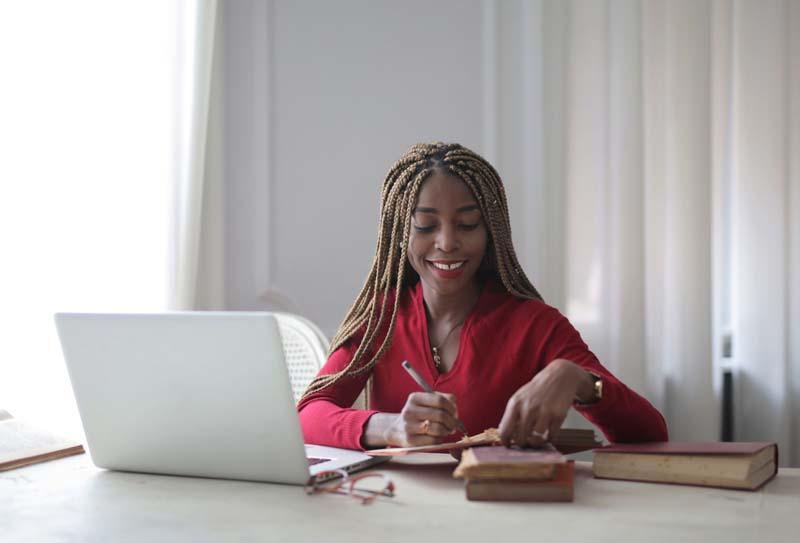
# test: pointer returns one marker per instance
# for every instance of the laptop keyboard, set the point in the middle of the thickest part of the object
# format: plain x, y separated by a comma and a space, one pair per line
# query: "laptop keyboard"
314, 461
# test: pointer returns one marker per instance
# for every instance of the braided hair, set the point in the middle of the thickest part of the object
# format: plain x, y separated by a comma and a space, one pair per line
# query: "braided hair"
391, 272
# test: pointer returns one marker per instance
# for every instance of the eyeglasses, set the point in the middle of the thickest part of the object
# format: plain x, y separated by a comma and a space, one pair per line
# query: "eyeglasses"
366, 487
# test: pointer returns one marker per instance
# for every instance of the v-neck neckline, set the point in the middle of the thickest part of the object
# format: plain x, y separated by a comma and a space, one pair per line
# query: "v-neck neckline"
425, 335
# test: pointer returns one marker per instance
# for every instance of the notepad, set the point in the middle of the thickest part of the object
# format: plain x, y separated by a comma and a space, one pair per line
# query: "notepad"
22, 444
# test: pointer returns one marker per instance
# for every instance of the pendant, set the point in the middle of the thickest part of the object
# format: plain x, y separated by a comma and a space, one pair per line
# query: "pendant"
436, 358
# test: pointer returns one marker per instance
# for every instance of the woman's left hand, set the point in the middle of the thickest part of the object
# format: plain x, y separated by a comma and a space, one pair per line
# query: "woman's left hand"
535, 412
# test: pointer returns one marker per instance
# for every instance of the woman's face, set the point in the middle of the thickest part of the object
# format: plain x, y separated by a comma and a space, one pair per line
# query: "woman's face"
448, 237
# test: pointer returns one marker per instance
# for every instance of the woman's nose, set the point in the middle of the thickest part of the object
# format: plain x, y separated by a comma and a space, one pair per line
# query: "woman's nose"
447, 241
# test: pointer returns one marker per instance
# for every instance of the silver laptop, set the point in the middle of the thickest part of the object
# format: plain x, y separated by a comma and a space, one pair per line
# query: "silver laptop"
191, 393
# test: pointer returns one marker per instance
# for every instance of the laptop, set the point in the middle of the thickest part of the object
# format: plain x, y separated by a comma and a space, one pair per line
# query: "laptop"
204, 394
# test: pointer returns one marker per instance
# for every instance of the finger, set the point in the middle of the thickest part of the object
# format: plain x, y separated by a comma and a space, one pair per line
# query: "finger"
526, 418
529, 416
434, 400
555, 427
415, 433
434, 415
452, 399
436, 429
539, 434
509, 421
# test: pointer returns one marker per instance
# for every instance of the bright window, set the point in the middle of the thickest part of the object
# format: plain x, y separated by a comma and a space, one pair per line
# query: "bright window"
87, 147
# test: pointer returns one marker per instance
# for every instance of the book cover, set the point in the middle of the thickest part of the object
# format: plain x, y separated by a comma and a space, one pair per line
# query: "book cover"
505, 463
738, 465
688, 447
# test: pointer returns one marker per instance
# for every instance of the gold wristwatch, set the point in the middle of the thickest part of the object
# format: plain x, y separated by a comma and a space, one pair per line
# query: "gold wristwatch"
598, 391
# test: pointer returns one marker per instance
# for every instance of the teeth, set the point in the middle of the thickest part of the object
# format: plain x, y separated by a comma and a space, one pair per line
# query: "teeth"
447, 267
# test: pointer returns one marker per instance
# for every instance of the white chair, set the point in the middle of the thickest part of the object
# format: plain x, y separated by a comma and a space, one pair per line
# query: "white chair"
305, 348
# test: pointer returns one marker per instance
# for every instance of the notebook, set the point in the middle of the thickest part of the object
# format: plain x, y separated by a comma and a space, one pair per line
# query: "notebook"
22, 444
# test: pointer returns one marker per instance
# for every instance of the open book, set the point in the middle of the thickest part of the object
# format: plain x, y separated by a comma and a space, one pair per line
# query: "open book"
22, 444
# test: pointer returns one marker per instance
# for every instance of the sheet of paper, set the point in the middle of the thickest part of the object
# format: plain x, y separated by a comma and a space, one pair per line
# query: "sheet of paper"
566, 443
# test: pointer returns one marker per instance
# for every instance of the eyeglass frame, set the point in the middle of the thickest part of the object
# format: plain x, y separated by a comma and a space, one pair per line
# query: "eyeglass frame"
314, 486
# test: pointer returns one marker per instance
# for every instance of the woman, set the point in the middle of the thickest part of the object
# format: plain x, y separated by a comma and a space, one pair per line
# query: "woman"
446, 293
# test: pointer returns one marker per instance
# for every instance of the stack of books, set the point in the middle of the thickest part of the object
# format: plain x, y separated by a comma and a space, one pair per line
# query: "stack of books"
498, 473
745, 466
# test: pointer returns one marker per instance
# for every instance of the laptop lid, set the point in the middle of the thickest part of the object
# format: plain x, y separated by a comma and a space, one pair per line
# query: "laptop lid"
185, 393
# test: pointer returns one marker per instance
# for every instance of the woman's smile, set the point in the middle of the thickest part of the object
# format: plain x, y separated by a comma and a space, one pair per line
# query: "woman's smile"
447, 269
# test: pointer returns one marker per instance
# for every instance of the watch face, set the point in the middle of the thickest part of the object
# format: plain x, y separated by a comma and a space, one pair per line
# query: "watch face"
598, 387
598, 391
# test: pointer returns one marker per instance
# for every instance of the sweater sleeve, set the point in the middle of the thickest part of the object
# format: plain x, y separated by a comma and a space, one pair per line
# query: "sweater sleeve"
622, 415
327, 417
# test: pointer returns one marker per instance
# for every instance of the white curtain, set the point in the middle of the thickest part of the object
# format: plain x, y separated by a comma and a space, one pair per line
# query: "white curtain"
671, 133
198, 229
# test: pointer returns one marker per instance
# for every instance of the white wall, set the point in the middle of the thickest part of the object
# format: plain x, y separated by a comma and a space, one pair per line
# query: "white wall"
321, 98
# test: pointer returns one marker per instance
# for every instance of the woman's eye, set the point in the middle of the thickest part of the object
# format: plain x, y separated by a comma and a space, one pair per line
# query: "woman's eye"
428, 229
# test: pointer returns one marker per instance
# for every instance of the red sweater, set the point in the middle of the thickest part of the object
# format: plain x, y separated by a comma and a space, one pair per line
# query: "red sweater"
505, 341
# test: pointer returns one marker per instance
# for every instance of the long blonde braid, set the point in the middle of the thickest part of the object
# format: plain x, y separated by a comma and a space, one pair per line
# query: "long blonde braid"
390, 271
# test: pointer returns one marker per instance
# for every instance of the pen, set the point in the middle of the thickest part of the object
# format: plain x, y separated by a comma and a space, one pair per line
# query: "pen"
427, 388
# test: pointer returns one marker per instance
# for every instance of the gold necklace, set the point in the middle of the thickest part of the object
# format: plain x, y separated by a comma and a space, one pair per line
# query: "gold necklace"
437, 358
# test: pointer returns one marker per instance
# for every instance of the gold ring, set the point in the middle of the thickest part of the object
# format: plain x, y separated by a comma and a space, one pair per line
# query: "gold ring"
425, 425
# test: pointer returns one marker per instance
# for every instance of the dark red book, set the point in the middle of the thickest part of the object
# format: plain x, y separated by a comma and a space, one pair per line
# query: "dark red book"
503, 463
740, 465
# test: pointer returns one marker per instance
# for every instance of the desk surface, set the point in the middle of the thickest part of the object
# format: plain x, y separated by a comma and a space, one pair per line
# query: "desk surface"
71, 500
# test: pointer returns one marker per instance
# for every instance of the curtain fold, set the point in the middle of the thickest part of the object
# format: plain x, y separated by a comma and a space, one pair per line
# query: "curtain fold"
678, 127
760, 183
198, 230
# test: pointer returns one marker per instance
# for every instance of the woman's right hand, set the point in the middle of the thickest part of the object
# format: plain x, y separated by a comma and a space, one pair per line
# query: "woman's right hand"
426, 419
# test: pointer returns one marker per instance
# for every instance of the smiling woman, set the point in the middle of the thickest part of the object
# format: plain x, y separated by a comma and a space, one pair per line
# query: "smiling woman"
445, 264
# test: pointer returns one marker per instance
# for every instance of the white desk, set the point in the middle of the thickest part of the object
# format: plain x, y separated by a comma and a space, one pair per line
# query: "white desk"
71, 500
